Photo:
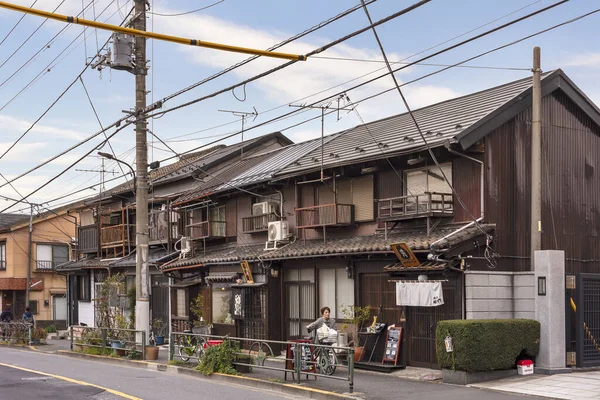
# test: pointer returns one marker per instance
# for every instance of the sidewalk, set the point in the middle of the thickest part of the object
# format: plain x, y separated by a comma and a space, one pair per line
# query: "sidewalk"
575, 385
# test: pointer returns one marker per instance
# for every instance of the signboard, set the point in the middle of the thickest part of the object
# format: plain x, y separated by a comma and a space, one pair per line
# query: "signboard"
307, 359
405, 255
393, 342
238, 304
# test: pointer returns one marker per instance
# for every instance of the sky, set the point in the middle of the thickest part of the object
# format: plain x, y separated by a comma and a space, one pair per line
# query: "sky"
40, 59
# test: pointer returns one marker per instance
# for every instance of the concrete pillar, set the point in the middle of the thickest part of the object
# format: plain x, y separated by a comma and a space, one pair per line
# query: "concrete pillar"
550, 310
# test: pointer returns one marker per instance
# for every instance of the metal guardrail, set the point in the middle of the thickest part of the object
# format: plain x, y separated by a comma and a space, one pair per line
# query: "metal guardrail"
16, 332
323, 360
103, 338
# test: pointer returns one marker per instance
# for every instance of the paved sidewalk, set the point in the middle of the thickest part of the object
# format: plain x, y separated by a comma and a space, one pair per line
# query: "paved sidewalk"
575, 385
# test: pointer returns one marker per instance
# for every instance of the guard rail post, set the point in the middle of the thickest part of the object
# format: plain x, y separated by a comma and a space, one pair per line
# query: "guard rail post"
71, 336
351, 370
171, 346
143, 345
297, 360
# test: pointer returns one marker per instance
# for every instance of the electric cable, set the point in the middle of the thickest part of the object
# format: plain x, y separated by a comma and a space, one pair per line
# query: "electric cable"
187, 12
16, 24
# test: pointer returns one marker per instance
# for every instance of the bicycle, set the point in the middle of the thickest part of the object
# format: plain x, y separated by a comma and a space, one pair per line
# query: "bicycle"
326, 361
189, 345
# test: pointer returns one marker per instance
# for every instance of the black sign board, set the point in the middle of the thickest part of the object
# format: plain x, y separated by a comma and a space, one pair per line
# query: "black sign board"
393, 342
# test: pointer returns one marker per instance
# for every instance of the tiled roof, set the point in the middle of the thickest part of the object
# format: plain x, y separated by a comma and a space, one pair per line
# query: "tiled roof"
395, 135
417, 240
154, 253
84, 263
7, 219
426, 266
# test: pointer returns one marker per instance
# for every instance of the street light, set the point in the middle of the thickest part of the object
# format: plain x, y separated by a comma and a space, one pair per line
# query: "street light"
111, 157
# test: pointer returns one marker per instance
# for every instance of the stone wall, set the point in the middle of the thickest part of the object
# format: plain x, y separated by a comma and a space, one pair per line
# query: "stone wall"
498, 294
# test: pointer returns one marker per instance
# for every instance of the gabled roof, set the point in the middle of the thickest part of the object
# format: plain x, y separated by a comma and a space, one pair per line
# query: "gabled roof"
7, 220
462, 120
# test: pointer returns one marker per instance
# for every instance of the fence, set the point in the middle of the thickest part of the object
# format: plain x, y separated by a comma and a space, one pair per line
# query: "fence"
16, 332
302, 357
108, 340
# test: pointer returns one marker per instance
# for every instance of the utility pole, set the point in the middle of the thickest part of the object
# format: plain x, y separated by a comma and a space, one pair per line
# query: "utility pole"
536, 157
142, 278
29, 250
243, 115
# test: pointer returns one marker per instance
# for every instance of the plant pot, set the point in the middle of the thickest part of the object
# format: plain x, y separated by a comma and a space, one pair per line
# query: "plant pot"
160, 340
152, 352
358, 353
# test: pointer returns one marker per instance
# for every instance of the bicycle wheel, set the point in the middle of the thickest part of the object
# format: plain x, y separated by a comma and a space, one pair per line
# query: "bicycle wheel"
200, 347
326, 361
185, 348
262, 351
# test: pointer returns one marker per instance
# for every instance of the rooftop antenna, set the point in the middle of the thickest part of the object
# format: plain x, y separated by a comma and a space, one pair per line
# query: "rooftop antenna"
102, 171
324, 107
243, 115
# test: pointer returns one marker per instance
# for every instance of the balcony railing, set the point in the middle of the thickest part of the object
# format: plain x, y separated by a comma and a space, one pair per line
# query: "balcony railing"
45, 265
258, 223
87, 238
325, 215
117, 235
158, 225
414, 206
206, 229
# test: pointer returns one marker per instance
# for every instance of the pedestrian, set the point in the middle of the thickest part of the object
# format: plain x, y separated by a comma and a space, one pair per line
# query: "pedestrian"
28, 316
6, 315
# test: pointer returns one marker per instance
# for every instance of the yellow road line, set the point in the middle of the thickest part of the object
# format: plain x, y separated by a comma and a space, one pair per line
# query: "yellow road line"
64, 378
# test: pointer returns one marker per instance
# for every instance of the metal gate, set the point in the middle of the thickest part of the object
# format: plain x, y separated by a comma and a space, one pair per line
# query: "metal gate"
588, 320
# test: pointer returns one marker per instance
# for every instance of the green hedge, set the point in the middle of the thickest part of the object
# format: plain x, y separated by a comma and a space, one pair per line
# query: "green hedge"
486, 344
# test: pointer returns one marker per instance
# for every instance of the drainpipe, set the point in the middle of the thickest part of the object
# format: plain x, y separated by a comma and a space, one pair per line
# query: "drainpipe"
481, 178
281, 213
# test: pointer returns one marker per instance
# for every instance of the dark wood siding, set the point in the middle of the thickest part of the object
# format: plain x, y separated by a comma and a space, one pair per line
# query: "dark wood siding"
389, 184
466, 177
570, 186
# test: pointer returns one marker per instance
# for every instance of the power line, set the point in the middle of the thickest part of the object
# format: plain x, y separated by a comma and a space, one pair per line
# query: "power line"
187, 12
30, 36
423, 64
49, 66
15, 25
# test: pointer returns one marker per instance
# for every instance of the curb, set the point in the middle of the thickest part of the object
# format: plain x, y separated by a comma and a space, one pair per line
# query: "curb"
256, 383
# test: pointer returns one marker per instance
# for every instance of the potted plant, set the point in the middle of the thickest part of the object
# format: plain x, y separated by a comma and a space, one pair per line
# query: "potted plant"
159, 329
152, 349
38, 336
355, 317
197, 309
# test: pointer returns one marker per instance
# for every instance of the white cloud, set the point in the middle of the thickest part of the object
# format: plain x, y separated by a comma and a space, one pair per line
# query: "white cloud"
584, 60
18, 126
21, 152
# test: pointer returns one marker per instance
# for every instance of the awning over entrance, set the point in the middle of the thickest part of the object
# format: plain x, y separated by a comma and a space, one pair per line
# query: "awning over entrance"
426, 266
35, 284
226, 254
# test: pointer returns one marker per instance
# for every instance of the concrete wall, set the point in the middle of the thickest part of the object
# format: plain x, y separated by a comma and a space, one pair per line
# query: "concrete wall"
498, 294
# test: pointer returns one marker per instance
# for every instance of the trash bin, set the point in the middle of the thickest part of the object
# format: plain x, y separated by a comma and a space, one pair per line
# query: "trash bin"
525, 367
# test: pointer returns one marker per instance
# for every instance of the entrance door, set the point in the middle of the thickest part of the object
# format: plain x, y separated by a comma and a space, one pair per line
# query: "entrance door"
422, 322
588, 320
59, 307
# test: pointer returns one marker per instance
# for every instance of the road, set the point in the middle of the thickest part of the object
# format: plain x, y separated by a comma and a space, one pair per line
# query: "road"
28, 375
124, 382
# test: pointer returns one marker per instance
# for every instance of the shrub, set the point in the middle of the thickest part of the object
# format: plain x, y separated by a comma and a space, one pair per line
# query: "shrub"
219, 358
51, 329
487, 345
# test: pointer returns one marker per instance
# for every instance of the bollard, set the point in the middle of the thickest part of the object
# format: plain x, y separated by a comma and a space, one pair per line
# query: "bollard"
143, 345
30, 334
71, 334
351, 370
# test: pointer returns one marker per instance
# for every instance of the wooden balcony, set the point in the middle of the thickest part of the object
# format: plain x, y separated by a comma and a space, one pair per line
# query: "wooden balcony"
325, 215
206, 230
258, 223
117, 235
159, 222
87, 239
415, 206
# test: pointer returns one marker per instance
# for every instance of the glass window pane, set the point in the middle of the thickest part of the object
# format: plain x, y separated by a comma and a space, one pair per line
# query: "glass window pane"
344, 290
60, 254
221, 303
43, 252
307, 274
181, 308
327, 290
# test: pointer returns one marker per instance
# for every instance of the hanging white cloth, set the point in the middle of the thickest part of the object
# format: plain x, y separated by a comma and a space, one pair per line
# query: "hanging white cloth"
419, 294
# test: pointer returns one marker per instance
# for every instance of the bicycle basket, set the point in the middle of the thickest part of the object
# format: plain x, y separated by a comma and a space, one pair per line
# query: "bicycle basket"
201, 330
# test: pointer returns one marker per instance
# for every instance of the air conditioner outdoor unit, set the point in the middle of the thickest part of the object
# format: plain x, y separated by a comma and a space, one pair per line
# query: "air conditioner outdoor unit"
278, 230
186, 246
263, 208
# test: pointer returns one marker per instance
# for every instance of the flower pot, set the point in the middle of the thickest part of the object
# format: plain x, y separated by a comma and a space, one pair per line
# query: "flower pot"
160, 340
358, 353
152, 352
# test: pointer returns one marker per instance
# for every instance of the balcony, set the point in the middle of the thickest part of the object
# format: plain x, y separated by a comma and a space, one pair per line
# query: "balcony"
87, 239
117, 235
258, 223
206, 230
325, 215
45, 266
415, 206
158, 226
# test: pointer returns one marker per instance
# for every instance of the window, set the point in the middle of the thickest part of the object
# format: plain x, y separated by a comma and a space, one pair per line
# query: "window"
221, 304
33, 306
181, 303
429, 179
48, 256
335, 290
2, 256
83, 287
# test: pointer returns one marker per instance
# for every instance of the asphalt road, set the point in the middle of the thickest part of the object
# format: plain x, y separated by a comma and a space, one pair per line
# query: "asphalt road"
132, 383
22, 378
